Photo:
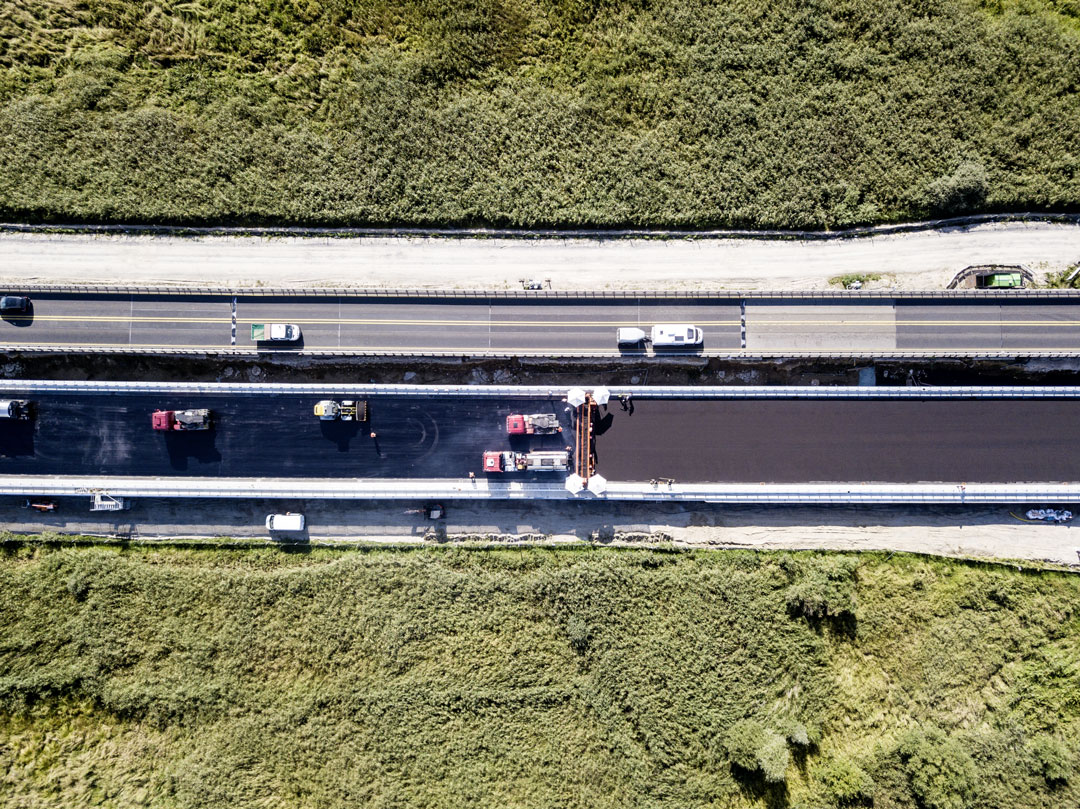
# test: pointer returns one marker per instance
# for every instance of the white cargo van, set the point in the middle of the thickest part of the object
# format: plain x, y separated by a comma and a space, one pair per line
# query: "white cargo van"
680, 334
285, 522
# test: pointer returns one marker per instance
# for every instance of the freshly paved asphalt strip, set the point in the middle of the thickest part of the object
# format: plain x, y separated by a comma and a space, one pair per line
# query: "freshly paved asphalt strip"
692, 441
547, 327
812, 441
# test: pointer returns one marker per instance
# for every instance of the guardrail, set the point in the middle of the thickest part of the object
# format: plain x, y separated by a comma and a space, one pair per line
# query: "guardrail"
457, 489
552, 294
70, 387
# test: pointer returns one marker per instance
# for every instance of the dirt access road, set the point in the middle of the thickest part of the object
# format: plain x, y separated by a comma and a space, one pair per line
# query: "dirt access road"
917, 260
963, 531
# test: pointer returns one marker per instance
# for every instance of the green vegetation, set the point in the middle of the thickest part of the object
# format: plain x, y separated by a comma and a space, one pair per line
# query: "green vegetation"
536, 112
532, 677
849, 279
1068, 278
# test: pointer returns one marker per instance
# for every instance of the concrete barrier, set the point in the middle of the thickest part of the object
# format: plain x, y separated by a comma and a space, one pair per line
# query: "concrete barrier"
480, 489
30, 387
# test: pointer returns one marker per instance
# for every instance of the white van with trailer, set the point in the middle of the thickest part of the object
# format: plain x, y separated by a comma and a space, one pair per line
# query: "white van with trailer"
285, 522
680, 334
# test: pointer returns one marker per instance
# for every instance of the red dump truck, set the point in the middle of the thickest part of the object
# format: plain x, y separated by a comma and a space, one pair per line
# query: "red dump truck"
540, 461
534, 424
181, 419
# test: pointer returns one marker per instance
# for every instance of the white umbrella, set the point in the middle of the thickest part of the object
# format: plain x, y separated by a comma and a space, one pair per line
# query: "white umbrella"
601, 396
575, 397
598, 484
575, 483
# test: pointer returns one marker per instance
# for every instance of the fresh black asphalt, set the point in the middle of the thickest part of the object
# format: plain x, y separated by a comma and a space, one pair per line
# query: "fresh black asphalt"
853, 441
691, 441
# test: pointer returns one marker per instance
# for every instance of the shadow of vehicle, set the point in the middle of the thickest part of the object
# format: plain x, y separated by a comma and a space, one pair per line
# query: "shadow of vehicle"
281, 345
340, 432
199, 445
16, 438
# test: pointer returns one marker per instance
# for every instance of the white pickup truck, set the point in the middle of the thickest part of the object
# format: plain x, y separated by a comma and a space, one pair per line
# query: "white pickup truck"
285, 332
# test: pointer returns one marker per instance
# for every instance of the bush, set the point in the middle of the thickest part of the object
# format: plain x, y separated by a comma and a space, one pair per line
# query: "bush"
846, 784
744, 740
963, 190
756, 750
1054, 760
825, 590
941, 772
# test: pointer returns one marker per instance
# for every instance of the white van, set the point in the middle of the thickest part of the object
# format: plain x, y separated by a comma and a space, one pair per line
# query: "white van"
285, 522
679, 334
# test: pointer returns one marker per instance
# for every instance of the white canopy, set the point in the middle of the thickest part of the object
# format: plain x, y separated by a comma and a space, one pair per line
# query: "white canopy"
601, 396
598, 484
575, 396
575, 483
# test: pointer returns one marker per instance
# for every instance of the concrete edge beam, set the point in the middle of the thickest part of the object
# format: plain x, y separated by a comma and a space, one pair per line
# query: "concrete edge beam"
482, 489
742, 355
981, 295
45, 386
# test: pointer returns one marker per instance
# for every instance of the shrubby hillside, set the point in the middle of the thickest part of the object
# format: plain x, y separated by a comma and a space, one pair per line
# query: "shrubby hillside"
685, 113
534, 678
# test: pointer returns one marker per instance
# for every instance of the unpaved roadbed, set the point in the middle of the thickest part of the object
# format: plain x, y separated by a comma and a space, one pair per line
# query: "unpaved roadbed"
919, 260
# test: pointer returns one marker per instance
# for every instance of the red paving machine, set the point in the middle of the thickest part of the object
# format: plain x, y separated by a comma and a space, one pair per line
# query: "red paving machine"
181, 419
535, 424
539, 461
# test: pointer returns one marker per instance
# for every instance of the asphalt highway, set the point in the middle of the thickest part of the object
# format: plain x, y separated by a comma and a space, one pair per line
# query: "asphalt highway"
546, 327
691, 441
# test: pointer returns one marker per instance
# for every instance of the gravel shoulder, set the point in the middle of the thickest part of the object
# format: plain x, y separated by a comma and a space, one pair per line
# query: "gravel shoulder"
916, 260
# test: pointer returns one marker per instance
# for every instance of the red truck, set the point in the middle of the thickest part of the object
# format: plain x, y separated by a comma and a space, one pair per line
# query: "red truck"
534, 424
181, 419
541, 461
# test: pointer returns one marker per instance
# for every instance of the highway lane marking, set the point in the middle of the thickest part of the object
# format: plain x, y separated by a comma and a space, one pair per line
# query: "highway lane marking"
480, 323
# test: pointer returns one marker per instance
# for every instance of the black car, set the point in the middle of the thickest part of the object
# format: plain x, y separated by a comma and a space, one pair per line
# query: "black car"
14, 303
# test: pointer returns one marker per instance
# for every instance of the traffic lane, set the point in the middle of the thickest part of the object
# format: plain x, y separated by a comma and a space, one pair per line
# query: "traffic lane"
482, 324
125, 320
1044, 327
206, 322
373, 324
60, 320
269, 436
828, 441
806, 326
1008, 325
592, 326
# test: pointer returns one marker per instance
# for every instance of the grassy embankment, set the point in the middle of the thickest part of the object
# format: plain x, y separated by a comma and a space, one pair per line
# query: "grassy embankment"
537, 112
184, 678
